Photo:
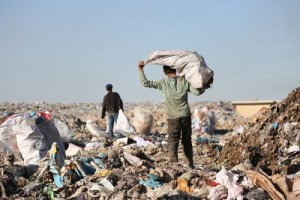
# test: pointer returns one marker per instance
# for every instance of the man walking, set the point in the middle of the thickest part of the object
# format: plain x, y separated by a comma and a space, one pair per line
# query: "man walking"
112, 102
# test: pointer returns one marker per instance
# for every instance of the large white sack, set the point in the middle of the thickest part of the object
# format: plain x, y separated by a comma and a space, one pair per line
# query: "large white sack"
189, 64
142, 121
9, 141
2, 147
30, 140
123, 126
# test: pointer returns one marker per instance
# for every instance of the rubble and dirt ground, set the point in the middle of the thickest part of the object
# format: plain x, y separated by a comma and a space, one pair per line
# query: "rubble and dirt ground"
265, 150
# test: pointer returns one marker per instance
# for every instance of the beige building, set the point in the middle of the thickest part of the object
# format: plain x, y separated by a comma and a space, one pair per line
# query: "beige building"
250, 108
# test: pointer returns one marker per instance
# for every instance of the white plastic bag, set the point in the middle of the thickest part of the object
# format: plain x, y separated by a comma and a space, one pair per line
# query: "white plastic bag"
9, 141
196, 121
123, 126
95, 130
189, 64
30, 140
133, 160
203, 120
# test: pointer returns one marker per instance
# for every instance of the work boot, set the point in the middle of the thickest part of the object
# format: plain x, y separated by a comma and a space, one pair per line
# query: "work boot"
191, 166
191, 163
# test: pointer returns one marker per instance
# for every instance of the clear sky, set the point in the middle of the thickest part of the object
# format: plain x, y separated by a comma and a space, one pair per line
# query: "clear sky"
68, 50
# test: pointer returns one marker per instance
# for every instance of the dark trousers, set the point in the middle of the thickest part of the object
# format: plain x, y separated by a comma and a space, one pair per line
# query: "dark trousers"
180, 128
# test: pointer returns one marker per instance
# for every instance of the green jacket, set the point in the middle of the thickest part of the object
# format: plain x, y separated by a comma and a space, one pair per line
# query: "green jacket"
175, 91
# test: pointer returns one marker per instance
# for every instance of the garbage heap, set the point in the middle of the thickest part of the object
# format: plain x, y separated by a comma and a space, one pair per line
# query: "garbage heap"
271, 145
234, 163
271, 142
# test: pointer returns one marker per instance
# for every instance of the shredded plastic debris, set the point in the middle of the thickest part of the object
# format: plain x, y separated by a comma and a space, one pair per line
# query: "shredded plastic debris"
241, 158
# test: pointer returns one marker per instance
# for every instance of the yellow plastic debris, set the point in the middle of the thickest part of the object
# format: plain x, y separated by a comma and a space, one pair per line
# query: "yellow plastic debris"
102, 172
53, 152
183, 185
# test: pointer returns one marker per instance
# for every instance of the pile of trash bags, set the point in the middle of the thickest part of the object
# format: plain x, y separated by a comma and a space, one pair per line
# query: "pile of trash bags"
250, 160
30, 136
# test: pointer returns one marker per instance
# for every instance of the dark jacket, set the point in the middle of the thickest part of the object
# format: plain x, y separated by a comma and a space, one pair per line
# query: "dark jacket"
112, 102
